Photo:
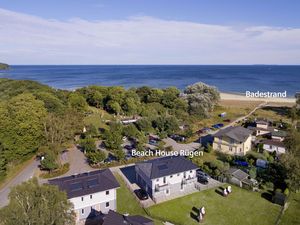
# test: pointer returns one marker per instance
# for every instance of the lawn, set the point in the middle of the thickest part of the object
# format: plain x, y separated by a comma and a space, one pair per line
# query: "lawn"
126, 202
98, 118
291, 216
241, 207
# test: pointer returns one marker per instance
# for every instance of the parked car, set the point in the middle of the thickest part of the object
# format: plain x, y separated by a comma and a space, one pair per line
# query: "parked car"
227, 120
202, 180
202, 174
203, 130
129, 147
178, 138
141, 194
153, 142
218, 125
241, 163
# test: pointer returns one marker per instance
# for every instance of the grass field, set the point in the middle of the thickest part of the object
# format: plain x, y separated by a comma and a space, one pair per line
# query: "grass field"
292, 216
127, 203
241, 207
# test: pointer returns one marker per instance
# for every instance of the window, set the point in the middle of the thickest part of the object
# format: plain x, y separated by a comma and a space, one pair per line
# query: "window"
82, 199
82, 211
171, 176
165, 180
107, 204
157, 179
167, 191
191, 171
230, 149
178, 174
91, 196
107, 192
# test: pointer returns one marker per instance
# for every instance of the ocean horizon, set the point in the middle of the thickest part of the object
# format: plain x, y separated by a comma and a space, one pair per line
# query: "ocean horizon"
227, 78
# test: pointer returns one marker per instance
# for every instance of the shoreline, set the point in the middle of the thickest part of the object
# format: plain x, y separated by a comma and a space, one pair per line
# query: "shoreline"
242, 97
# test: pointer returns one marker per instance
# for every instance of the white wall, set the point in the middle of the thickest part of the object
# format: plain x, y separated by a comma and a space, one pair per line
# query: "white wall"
272, 148
174, 179
97, 198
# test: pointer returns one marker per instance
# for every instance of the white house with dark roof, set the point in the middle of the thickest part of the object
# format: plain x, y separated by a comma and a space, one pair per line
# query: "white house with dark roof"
233, 140
166, 177
274, 146
90, 192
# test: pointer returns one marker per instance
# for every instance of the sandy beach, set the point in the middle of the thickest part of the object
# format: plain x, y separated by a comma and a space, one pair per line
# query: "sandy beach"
240, 97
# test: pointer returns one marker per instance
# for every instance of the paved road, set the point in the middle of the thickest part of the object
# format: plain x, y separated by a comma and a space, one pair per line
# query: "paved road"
78, 162
24, 175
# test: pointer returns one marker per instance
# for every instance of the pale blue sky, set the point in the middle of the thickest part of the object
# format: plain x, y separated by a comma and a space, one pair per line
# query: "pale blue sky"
150, 31
255, 12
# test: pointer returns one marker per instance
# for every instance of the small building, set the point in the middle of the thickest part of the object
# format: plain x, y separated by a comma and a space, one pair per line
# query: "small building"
240, 178
278, 135
274, 146
166, 177
262, 124
114, 218
261, 128
233, 140
91, 193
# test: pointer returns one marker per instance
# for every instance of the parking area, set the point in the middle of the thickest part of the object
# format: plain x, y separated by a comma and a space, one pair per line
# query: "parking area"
177, 147
128, 175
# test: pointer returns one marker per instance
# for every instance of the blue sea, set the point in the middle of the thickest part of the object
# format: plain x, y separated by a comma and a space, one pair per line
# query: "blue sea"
235, 79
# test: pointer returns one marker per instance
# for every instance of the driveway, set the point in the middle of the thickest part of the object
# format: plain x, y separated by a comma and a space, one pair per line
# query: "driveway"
177, 147
24, 175
77, 160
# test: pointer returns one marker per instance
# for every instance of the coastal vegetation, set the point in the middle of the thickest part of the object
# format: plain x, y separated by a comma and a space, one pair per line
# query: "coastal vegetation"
4, 66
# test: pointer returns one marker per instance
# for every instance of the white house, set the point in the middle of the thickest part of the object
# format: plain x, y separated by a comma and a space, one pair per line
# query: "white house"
274, 146
90, 192
166, 177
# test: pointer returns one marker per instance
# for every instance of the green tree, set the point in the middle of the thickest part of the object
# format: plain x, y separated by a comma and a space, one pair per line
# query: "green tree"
21, 127
3, 161
201, 98
120, 154
96, 157
113, 136
130, 106
88, 145
34, 204
169, 96
114, 107
144, 125
49, 162
77, 102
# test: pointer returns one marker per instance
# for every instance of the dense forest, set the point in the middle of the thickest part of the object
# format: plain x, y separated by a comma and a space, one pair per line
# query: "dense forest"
37, 118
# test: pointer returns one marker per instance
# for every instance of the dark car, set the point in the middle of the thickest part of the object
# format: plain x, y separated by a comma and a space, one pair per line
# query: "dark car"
202, 180
141, 194
202, 174
227, 120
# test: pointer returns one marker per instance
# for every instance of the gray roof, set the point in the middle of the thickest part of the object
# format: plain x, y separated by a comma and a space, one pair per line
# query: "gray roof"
273, 143
237, 133
165, 166
279, 133
114, 218
237, 173
86, 183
